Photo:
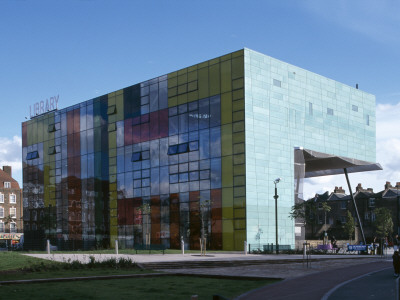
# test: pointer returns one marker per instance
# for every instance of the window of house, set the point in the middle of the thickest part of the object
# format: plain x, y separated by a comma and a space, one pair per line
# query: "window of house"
1, 226
7, 184
373, 217
1, 198
343, 219
1, 212
13, 212
371, 202
366, 216
13, 227
319, 205
13, 198
320, 219
343, 205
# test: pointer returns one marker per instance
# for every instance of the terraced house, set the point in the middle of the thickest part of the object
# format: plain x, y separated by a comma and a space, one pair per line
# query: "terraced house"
194, 151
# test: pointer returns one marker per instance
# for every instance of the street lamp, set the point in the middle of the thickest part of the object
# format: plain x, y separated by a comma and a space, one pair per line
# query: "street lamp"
276, 181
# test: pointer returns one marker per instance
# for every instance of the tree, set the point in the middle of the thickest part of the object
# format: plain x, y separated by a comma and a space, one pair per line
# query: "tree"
145, 211
326, 208
383, 222
303, 211
349, 226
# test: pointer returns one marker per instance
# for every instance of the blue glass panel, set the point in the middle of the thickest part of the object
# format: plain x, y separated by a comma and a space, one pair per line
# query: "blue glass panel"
215, 111
173, 178
164, 180
194, 176
183, 177
172, 149
136, 156
204, 113
137, 174
120, 160
182, 148
215, 142
193, 146
155, 181
128, 185
216, 173
204, 144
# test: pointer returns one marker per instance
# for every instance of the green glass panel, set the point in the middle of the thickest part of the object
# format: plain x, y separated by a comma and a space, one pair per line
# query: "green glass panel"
239, 224
239, 191
239, 169
237, 67
193, 96
173, 101
203, 83
226, 76
226, 108
240, 237
240, 213
119, 102
238, 83
226, 139
182, 89
238, 137
192, 76
227, 235
239, 180
238, 116
215, 84
182, 99
238, 105
172, 91
227, 203
227, 171
238, 126
238, 148
112, 139
238, 159
239, 202
238, 94
182, 79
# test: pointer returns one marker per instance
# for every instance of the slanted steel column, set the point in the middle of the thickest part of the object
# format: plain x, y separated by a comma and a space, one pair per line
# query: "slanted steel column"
355, 205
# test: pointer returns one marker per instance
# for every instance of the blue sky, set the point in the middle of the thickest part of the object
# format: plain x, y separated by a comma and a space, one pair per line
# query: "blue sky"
82, 49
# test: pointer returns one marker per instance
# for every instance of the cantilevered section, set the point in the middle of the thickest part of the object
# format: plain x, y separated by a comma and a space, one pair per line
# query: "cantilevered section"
322, 164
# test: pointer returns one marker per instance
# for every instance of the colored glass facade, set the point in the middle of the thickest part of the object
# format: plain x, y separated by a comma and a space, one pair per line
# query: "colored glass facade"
193, 150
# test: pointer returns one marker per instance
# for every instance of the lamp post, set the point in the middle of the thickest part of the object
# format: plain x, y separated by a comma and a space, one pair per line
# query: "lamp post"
276, 181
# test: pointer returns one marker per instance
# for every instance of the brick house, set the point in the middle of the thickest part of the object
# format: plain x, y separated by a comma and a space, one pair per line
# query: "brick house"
367, 202
10, 203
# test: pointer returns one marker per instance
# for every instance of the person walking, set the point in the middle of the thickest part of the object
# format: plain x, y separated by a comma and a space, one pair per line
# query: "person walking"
396, 263
396, 242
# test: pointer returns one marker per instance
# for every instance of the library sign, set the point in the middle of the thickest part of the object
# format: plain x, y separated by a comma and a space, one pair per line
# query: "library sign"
10, 236
44, 106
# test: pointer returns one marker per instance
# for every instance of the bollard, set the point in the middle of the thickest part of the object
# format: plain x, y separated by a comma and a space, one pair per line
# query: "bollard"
48, 246
183, 246
245, 247
116, 247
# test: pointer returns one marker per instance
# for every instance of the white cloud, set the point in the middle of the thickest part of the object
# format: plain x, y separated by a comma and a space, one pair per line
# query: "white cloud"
11, 155
377, 20
387, 154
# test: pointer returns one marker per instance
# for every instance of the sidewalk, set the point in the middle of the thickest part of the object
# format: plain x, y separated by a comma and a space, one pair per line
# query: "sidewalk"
229, 264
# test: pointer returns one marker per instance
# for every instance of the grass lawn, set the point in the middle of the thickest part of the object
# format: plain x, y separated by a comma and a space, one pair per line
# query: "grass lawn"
166, 287
171, 287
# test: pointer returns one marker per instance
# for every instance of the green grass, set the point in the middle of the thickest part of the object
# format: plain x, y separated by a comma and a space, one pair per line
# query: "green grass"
171, 287
14, 260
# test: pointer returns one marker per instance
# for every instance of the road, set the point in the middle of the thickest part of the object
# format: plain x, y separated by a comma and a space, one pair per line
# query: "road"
376, 285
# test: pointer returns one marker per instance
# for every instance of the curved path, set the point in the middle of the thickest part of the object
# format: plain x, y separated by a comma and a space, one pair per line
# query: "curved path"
314, 286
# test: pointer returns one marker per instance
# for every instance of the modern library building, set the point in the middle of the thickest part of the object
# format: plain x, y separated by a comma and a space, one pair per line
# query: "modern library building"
191, 153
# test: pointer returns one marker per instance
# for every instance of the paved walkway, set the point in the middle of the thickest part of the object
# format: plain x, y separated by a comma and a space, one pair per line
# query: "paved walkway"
324, 272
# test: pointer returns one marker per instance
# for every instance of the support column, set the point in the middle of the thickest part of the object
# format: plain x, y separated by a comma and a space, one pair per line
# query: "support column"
355, 205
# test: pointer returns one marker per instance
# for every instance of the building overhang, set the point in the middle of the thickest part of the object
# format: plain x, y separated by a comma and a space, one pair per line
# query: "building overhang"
322, 164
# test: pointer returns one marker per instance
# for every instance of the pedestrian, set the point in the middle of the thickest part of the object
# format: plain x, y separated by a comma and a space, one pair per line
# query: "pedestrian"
396, 242
396, 263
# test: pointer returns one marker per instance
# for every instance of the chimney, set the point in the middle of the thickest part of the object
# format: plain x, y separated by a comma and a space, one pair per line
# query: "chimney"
339, 190
388, 185
7, 169
397, 184
359, 187
357, 86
